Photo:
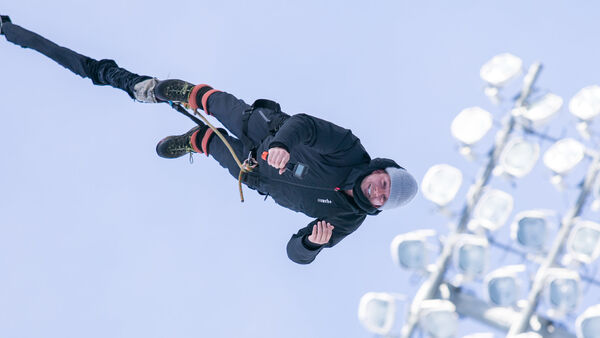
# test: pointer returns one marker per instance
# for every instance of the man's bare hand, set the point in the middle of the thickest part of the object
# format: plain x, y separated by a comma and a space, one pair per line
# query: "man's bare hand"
278, 158
321, 233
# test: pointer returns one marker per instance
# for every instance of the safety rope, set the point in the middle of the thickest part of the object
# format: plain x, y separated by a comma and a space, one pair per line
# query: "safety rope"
245, 167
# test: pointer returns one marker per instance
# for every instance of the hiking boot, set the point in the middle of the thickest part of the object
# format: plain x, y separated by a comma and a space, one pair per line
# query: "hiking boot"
3, 19
173, 90
179, 145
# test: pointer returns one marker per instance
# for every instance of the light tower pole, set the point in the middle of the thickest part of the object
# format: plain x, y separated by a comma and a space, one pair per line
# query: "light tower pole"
429, 288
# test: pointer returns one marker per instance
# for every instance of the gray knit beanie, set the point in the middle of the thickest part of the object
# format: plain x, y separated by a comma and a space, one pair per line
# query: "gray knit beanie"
402, 189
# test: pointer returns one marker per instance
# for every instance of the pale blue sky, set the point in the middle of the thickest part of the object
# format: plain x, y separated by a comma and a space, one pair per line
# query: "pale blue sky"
99, 237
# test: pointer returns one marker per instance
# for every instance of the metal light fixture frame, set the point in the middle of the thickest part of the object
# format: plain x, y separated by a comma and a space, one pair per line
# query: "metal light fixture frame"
419, 236
554, 274
431, 306
389, 317
584, 258
510, 271
592, 312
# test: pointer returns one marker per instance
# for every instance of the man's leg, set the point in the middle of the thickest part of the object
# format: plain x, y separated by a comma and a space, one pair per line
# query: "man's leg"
103, 72
201, 139
228, 109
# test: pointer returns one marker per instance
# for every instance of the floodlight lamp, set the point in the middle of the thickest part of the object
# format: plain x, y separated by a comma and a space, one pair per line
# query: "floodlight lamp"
410, 250
441, 183
586, 103
588, 323
500, 69
471, 124
493, 209
530, 229
377, 311
544, 109
438, 318
583, 243
470, 255
564, 155
562, 290
519, 157
503, 286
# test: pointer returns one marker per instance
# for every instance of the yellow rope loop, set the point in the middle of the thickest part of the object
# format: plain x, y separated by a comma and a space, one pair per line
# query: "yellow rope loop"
240, 185
244, 167
237, 160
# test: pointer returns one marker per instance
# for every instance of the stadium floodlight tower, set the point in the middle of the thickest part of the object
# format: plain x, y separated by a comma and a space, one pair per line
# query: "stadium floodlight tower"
583, 243
530, 229
503, 285
377, 312
494, 77
470, 126
410, 250
562, 157
498, 71
585, 105
438, 318
588, 323
441, 183
518, 158
562, 291
492, 210
549, 260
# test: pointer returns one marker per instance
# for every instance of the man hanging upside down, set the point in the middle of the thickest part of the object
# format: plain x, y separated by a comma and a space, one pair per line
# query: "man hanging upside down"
332, 178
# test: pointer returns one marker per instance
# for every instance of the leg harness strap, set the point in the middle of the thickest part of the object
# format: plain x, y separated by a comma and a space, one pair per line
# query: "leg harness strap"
194, 142
200, 94
206, 134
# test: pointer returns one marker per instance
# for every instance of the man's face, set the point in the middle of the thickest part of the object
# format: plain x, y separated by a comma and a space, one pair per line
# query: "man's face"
376, 187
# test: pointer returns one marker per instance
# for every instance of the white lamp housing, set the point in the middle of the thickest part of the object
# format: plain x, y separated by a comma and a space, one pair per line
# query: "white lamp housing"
503, 285
583, 243
409, 250
492, 210
588, 323
519, 157
471, 125
586, 103
377, 311
438, 318
441, 183
501, 69
562, 290
471, 255
530, 229
541, 111
564, 155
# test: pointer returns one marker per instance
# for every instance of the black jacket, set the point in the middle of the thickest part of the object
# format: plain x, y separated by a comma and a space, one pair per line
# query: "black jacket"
336, 160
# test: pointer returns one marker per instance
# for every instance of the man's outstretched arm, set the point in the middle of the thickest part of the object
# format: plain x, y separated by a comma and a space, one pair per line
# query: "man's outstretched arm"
305, 245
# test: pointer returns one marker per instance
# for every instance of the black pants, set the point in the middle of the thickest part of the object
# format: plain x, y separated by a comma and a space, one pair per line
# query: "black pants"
225, 107
103, 72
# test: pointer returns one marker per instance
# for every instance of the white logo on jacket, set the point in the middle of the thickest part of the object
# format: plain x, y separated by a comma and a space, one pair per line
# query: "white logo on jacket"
324, 200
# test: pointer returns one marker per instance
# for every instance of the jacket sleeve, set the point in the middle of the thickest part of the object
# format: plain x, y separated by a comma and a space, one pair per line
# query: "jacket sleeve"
301, 251
322, 135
